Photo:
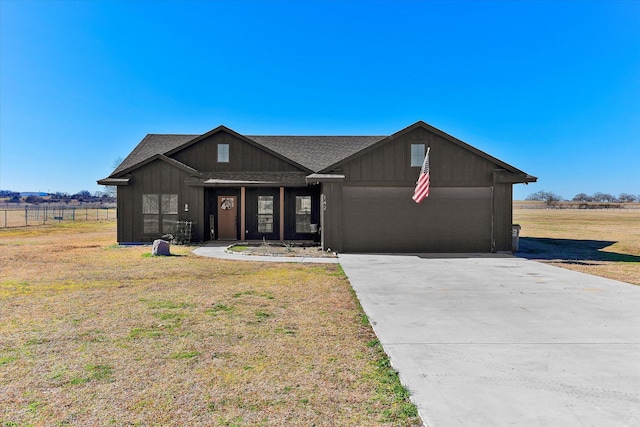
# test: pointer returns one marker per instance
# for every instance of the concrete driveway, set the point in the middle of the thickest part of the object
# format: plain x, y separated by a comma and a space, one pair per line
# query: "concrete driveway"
503, 341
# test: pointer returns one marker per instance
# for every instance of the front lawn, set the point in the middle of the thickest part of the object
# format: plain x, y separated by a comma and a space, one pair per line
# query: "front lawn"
92, 333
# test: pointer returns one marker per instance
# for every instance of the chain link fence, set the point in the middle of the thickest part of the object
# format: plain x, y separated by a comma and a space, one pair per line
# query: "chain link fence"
39, 215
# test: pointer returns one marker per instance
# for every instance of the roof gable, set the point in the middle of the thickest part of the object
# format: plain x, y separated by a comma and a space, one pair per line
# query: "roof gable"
165, 159
151, 145
243, 138
420, 124
318, 154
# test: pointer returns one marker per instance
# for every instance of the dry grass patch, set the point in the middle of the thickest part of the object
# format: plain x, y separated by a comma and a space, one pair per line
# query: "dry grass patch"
96, 334
603, 242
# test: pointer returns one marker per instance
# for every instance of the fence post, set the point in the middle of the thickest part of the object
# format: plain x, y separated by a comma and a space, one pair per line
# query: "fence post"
26, 217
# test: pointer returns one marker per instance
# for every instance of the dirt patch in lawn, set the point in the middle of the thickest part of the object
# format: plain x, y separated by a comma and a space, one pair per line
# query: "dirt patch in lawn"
92, 333
277, 249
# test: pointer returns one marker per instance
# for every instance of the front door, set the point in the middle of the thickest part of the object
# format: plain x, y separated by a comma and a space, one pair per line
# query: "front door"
227, 217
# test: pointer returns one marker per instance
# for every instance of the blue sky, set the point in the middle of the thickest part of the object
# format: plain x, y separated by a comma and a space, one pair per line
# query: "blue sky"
551, 87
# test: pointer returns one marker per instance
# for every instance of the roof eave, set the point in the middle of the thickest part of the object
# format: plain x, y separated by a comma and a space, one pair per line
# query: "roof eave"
114, 181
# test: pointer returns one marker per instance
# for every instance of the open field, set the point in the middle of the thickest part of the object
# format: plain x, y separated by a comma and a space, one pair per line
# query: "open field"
42, 215
603, 242
96, 334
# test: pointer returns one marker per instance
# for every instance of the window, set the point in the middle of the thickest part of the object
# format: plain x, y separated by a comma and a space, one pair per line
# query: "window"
303, 214
417, 154
223, 153
265, 214
159, 213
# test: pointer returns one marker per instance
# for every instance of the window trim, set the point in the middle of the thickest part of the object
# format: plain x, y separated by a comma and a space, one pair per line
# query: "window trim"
156, 215
266, 215
303, 214
223, 153
414, 161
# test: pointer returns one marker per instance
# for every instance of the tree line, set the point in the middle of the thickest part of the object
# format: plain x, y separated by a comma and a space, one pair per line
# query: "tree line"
550, 197
83, 196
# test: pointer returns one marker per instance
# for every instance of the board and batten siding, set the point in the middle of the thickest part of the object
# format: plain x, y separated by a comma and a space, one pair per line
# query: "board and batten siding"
243, 156
157, 177
390, 163
465, 212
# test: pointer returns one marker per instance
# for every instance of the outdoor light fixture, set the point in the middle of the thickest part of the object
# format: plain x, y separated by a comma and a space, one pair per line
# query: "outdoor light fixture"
186, 207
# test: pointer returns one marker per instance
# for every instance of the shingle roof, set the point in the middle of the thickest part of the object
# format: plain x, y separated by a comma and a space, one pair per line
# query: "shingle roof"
316, 152
313, 152
151, 145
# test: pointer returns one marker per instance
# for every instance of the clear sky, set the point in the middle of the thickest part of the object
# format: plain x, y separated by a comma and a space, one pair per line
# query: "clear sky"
551, 87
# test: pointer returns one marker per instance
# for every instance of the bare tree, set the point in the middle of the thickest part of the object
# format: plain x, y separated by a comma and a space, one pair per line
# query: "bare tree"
603, 197
112, 190
626, 198
582, 197
548, 197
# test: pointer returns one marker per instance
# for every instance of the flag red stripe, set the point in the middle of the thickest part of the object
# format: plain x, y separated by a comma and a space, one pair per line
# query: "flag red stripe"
422, 188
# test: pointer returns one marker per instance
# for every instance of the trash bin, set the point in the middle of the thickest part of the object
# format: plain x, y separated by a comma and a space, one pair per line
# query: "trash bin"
515, 237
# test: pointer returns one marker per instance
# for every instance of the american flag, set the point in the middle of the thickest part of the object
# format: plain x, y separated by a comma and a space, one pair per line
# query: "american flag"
422, 186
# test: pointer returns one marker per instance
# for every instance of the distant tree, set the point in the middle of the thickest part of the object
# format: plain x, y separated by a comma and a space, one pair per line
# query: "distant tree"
111, 190
8, 193
603, 197
15, 199
626, 198
36, 200
548, 197
582, 197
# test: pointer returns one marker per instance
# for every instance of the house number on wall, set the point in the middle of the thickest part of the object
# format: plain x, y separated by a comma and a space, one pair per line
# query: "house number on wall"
226, 204
324, 202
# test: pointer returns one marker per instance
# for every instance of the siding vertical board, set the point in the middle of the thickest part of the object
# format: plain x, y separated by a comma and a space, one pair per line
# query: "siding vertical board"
243, 156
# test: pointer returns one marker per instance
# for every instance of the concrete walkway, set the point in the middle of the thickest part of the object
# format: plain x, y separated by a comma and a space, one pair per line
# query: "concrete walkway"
503, 341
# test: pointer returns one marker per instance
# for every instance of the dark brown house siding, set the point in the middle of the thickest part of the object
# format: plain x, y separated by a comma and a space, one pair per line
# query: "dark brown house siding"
243, 157
157, 177
360, 190
465, 212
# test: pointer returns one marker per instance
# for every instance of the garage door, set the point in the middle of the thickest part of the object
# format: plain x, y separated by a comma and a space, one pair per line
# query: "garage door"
387, 220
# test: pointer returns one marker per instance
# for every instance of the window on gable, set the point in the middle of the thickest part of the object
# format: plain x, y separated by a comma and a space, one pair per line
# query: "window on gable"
223, 153
159, 213
417, 154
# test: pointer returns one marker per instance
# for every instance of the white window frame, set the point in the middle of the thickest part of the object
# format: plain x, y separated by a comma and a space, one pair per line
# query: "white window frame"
418, 151
223, 153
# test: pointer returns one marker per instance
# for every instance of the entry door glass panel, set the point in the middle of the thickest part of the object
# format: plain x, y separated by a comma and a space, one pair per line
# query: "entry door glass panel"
303, 214
265, 214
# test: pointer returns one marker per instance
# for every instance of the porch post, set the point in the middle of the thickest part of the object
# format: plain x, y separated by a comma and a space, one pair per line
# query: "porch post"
243, 210
282, 213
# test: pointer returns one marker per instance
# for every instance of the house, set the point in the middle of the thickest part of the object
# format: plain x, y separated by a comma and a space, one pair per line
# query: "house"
351, 193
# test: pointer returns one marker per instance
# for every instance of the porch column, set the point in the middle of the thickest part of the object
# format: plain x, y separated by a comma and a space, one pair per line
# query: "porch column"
282, 213
243, 219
